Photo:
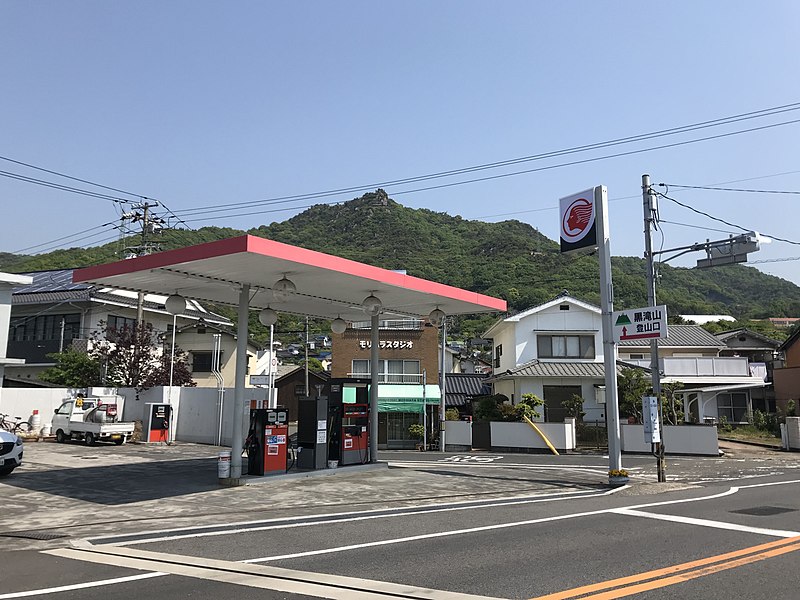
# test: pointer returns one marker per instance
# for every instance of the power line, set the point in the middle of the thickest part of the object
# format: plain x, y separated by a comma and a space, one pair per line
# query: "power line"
513, 161
724, 189
59, 186
100, 185
694, 226
773, 260
526, 171
713, 218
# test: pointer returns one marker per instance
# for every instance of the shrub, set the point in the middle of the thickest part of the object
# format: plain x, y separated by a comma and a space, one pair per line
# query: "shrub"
452, 414
488, 408
574, 406
416, 431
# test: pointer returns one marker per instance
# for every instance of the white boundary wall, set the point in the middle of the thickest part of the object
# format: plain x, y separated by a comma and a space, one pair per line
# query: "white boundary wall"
21, 402
522, 435
793, 432
458, 433
195, 410
678, 439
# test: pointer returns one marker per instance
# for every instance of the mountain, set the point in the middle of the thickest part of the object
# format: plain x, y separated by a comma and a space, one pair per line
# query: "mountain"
510, 259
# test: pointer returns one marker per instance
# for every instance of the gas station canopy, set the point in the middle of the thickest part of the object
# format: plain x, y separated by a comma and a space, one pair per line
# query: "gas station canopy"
326, 286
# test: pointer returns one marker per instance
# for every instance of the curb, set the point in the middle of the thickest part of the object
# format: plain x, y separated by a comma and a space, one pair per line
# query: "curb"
752, 443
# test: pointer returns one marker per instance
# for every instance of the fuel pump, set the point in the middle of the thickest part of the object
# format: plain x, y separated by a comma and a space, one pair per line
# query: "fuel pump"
267, 441
348, 421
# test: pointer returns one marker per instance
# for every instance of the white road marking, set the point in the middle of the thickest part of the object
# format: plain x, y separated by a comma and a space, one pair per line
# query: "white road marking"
186, 559
359, 516
79, 586
706, 523
321, 585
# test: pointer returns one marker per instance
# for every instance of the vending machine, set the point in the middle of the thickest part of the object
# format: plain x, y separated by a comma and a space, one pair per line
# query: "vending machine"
267, 441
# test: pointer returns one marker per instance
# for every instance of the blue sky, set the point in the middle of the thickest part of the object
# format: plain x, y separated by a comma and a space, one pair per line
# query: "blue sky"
206, 103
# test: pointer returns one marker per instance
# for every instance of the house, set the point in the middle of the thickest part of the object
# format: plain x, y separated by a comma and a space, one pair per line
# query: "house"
463, 388
761, 352
53, 314
209, 345
408, 373
8, 283
787, 378
290, 383
555, 351
714, 386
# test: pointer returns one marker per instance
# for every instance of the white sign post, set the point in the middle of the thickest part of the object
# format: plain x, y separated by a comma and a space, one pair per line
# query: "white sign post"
652, 425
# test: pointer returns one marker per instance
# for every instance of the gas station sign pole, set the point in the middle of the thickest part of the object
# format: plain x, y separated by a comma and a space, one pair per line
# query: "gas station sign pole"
584, 228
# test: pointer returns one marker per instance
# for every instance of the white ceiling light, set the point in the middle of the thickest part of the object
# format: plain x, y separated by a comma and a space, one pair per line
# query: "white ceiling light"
372, 305
267, 317
338, 325
175, 304
283, 288
436, 317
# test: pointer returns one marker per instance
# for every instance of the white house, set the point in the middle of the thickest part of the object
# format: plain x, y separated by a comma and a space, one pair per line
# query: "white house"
555, 351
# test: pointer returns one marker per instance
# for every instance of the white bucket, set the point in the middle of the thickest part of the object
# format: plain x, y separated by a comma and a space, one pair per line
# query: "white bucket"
47, 429
332, 464
224, 464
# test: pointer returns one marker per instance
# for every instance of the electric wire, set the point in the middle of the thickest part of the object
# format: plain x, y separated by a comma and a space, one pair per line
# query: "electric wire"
550, 154
514, 173
59, 186
726, 189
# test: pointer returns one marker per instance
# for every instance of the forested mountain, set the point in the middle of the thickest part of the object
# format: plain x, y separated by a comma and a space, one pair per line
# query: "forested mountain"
509, 259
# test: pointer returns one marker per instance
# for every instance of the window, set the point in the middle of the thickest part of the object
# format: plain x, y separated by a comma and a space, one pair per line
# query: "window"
300, 390
201, 362
498, 352
120, 323
47, 327
732, 406
391, 371
637, 356
565, 346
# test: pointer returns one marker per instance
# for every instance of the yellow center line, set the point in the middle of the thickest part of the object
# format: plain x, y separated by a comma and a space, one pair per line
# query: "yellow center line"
678, 573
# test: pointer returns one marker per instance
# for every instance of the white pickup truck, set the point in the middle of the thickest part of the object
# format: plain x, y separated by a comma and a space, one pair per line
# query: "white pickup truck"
90, 419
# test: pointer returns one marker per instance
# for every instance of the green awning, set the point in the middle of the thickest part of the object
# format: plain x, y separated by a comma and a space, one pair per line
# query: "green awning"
406, 398
394, 397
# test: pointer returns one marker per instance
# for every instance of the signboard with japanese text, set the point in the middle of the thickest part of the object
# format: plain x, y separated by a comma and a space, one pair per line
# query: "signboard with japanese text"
640, 323
578, 224
387, 344
652, 426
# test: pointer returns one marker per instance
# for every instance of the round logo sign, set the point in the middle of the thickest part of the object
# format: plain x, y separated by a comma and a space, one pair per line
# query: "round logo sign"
577, 220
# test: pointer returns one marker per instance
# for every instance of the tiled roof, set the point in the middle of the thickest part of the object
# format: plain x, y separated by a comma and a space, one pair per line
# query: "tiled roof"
684, 336
462, 387
20, 298
724, 336
537, 368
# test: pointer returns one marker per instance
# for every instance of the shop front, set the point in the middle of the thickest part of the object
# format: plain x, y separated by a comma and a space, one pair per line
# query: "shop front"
399, 407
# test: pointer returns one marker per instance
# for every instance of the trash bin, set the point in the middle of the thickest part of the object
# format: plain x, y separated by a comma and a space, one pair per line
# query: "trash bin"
224, 464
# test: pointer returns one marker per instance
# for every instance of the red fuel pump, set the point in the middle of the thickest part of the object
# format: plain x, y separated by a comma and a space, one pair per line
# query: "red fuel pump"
267, 442
355, 434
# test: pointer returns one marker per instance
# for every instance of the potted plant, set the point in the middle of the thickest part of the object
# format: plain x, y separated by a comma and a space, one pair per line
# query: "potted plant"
618, 477
417, 432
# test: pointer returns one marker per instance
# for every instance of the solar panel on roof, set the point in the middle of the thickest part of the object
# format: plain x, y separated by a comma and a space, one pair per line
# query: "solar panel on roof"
51, 281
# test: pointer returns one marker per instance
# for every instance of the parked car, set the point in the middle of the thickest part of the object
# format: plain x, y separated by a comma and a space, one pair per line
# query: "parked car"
10, 452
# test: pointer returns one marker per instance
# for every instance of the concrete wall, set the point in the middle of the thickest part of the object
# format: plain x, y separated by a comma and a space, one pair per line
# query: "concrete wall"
678, 439
522, 435
21, 402
458, 433
793, 432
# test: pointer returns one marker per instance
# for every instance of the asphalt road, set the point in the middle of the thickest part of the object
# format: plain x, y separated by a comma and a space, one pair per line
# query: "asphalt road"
721, 528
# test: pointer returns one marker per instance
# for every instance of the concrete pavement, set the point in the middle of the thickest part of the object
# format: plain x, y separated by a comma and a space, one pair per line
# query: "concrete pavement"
69, 490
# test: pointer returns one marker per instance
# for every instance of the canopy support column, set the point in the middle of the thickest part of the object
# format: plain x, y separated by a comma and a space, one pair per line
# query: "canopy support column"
373, 390
237, 439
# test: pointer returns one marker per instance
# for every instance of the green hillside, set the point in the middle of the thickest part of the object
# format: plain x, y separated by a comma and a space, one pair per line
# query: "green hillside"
509, 259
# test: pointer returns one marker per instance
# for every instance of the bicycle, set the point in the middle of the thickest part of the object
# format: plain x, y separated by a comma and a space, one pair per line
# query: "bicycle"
14, 424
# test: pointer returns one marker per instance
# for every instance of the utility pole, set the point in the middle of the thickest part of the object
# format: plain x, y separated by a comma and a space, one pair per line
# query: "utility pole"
650, 210
442, 405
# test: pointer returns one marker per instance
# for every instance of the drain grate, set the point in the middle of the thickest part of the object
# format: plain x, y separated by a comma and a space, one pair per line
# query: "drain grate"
33, 535
763, 511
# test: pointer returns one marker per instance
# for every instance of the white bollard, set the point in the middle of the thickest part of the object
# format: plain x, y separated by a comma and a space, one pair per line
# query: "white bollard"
224, 464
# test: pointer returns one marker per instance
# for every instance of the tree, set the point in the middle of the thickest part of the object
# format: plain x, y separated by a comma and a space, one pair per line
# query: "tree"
672, 413
73, 369
314, 365
631, 386
574, 407
131, 358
